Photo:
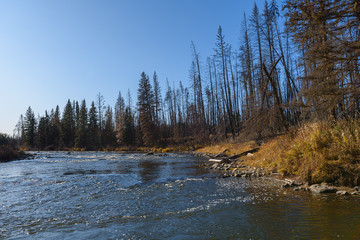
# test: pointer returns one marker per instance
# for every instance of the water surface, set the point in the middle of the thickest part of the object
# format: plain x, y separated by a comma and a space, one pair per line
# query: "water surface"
133, 196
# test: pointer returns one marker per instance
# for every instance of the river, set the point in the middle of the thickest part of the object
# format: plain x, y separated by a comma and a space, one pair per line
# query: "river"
88, 195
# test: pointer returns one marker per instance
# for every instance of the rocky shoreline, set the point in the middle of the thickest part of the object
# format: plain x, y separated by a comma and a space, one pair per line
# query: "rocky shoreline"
236, 168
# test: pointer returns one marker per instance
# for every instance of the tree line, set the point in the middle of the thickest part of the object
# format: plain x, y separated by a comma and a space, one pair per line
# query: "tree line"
294, 64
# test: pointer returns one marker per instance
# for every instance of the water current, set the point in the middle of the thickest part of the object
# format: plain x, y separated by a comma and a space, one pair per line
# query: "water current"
89, 195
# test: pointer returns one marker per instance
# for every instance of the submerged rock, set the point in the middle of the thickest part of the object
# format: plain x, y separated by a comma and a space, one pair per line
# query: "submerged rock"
302, 188
286, 185
322, 188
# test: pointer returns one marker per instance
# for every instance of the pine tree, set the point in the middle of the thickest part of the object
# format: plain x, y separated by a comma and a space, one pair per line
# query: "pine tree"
247, 72
222, 54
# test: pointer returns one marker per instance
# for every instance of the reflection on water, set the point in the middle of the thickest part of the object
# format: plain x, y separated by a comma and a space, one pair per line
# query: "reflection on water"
150, 169
133, 196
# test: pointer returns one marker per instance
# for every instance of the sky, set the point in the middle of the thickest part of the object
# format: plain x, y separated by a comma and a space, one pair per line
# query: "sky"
55, 50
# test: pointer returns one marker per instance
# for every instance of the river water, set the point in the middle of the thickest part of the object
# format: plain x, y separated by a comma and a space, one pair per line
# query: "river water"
133, 196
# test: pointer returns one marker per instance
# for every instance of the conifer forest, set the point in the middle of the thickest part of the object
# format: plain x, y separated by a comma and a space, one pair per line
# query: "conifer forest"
295, 63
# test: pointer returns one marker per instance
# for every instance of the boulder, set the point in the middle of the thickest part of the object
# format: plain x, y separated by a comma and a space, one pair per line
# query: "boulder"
322, 188
291, 183
342, 192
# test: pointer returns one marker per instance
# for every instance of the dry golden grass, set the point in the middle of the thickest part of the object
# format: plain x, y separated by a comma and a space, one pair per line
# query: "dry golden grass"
233, 147
317, 152
269, 155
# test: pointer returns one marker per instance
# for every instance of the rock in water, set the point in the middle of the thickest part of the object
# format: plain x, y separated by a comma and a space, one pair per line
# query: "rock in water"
322, 188
342, 192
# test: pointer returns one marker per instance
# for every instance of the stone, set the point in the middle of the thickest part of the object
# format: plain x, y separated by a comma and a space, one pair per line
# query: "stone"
302, 188
322, 188
286, 185
225, 160
342, 192
215, 165
290, 183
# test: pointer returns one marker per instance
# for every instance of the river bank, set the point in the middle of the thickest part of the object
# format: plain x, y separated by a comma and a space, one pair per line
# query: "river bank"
8, 153
237, 168
323, 155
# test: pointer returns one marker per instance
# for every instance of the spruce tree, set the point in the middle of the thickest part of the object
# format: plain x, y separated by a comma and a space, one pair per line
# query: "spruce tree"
68, 126
146, 105
93, 128
128, 132
157, 99
81, 134
44, 130
29, 128
54, 132
119, 116
100, 103
109, 132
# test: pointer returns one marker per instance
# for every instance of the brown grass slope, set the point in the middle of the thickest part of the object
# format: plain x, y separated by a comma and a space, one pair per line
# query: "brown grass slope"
316, 152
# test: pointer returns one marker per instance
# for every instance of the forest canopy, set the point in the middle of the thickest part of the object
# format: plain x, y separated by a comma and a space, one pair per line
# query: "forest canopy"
295, 63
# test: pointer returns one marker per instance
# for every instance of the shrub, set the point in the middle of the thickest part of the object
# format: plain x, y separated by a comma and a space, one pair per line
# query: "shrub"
7, 153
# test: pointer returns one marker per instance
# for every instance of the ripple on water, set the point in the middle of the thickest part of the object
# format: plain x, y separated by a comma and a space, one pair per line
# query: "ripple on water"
111, 196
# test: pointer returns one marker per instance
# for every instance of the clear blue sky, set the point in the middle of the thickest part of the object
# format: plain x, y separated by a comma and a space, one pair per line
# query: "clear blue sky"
54, 50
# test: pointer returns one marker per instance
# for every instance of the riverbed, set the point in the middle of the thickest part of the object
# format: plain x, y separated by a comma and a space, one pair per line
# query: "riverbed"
97, 195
